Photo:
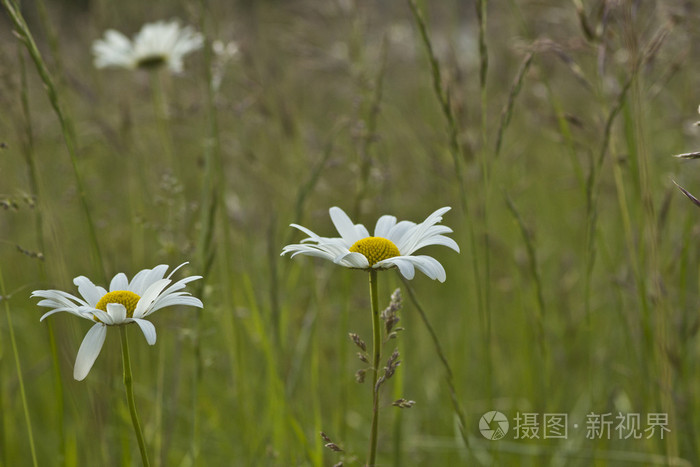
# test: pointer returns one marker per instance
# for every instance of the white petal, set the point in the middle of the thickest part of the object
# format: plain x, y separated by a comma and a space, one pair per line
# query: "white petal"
179, 298
72, 310
361, 231
179, 285
149, 296
437, 240
145, 278
399, 231
149, 331
344, 225
427, 264
64, 298
411, 238
430, 267
405, 266
352, 259
308, 250
117, 311
90, 292
119, 282
175, 270
306, 231
103, 316
89, 350
383, 226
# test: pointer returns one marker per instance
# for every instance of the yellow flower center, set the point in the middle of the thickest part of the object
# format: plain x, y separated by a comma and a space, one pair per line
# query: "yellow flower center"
123, 297
375, 249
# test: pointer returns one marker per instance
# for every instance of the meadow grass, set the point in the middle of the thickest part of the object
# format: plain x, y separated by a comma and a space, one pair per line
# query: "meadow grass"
547, 126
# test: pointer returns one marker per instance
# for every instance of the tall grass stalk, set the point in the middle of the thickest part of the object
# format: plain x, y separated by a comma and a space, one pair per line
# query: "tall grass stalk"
443, 98
209, 199
456, 150
661, 308
52, 36
29, 155
512, 96
370, 131
592, 199
481, 286
449, 375
567, 136
283, 422
18, 366
25, 36
540, 314
315, 389
397, 431
307, 188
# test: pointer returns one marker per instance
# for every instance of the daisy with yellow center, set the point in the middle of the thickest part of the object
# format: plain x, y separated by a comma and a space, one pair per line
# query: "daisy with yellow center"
126, 302
156, 45
392, 245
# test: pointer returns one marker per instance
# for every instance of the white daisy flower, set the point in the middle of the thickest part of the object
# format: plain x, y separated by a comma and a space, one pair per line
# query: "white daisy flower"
392, 245
126, 302
157, 44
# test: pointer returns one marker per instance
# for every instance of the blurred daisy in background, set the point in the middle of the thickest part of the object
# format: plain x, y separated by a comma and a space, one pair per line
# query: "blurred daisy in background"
126, 302
392, 245
157, 45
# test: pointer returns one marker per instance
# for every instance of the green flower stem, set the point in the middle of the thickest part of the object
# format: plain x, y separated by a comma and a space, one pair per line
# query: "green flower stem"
20, 379
160, 109
128, 384
376, 354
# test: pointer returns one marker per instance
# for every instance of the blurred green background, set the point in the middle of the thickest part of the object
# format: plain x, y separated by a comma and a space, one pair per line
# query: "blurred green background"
575, 292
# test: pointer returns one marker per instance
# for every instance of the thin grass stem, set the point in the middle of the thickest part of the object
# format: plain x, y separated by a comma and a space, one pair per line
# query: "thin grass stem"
370, 134
540, 314
449, 375
25, 407
28, 150
25, 36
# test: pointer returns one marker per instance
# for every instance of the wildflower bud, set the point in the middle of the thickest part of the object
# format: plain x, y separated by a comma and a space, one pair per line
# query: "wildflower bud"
363, 357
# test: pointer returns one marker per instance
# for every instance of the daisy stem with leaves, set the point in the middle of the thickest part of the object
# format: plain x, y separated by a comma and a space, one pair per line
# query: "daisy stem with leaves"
392, 246
129, 385
376, 355
126, 302
161, 112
